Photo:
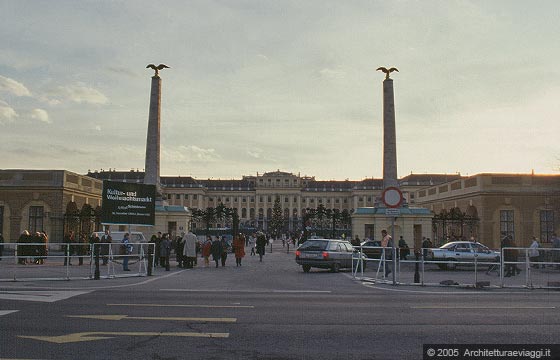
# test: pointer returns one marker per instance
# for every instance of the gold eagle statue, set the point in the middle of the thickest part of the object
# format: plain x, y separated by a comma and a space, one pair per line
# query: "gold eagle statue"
157, 68
387, 72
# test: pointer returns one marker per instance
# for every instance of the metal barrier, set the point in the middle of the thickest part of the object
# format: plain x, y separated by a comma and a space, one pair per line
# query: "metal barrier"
63, 261
515, 270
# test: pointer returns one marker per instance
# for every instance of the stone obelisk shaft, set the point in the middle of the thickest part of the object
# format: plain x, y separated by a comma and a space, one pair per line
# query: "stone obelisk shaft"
389, 136
151, 175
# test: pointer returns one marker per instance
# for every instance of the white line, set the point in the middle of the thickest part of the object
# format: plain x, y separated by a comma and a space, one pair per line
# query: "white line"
483, 307
251, 291
6, 312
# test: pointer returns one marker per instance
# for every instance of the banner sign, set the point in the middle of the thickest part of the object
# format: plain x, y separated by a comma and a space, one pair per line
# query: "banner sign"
128, 203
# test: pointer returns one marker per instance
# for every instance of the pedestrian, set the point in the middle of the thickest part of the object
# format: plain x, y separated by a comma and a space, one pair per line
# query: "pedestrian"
126, 250
261, 245
179, 248
106, 241
43, 249
189, 250
1, 245
239, 249
510, 256
404, 250
387, 244
356, 241
534, 254
226, 248
82, 248
216, 250
165, 251
207, 250
425, 247
159, 261
555, 240
69, 239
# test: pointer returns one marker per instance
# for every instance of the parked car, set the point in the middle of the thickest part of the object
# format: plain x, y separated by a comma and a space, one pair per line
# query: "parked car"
372, 249
327, 254
457, 253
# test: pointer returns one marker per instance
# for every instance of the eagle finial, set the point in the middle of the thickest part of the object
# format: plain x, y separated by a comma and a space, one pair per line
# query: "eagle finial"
157, 68
387, 72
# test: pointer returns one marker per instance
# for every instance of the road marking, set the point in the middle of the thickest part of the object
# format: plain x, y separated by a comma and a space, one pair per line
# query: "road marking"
484, 307
92, 336
189, 306
126, 317
252, 291
42, 296
429, 292
6, 312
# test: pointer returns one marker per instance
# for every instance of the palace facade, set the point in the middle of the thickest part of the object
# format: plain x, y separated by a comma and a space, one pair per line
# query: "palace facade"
481, 206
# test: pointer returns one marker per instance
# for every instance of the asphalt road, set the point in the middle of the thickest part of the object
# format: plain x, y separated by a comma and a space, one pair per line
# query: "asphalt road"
268, 310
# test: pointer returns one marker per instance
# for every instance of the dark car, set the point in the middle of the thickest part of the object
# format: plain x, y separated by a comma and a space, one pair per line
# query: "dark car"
327, 254
371, 248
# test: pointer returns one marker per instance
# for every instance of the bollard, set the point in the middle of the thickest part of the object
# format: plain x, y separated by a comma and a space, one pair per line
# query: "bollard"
150, 260
96, 274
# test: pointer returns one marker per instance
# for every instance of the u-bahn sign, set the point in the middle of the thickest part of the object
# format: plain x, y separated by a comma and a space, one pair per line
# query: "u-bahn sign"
128, 203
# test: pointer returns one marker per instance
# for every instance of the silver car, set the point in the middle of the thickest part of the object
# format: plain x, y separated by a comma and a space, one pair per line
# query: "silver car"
327, 254
462, 253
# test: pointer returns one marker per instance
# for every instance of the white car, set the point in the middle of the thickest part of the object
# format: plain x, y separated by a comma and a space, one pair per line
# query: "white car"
462, 253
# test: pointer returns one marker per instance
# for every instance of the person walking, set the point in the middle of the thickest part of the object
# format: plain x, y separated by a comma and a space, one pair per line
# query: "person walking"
534, 254
68, 249
261, 245
207, 250
216, 250
189, 250
82, 248
404, 250
106, 241
239, 249
555, 242
226, 248
387, 244
126, 250
165, 251
1, 245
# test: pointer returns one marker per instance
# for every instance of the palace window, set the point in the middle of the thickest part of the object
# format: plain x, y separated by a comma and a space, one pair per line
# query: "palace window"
506, 223
35, 219
547, 225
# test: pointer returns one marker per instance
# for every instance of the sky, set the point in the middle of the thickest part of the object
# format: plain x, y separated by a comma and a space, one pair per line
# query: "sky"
259, 86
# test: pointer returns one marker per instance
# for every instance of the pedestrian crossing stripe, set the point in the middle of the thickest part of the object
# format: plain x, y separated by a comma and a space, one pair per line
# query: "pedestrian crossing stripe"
39, 296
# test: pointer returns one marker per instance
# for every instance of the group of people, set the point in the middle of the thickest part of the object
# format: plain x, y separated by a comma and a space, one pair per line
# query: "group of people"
36, 251
188, 247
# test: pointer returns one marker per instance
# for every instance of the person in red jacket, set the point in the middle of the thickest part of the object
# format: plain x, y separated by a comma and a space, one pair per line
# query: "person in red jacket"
239, 248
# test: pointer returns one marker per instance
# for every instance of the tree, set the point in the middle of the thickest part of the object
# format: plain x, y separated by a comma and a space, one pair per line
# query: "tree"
276, 224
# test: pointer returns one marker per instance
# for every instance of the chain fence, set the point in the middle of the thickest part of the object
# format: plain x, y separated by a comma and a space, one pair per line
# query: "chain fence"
63, 261
511, 268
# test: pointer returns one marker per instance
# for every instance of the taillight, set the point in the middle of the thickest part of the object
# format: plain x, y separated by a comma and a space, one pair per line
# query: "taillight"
298, 253
325, 255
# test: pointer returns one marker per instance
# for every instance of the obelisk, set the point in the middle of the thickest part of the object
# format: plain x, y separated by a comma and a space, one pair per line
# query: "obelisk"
151, 175
389, 133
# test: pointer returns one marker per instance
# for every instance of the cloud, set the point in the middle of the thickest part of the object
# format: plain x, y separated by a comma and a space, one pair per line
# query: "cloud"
78, 93
7, 114
200, 153
332, 74
13, 87
41, 115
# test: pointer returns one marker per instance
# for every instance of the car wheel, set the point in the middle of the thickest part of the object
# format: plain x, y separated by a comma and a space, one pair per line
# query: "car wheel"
335, 267
306, 268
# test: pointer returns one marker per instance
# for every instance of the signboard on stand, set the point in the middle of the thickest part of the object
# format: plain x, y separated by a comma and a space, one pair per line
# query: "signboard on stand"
128, 203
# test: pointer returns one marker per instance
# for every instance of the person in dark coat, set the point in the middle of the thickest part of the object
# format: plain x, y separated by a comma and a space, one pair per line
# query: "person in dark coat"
69, 239
165, 251
216, 250
1, 245
261, 245
226, 248
106, 241
158, 260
